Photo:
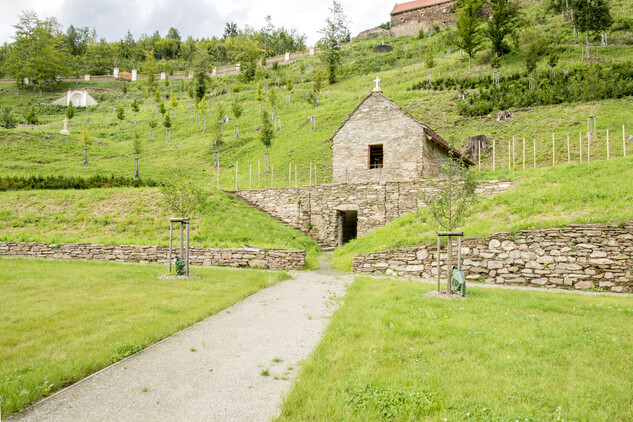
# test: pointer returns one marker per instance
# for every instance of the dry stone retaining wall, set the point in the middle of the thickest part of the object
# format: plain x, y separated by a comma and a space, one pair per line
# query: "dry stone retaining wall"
410, 22
314, 209
236, 257
576, 256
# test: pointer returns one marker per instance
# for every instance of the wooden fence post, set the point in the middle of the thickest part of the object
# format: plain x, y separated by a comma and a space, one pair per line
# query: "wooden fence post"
588, 147
218, 177
272, 175
250, 176
553, 149
296, 176
310, 174
568, 153
513, 154
580, 143
623, 141
259, 175
509, 158
607, 144
534, 151
236, 164
523, 154
289, 173
494, 155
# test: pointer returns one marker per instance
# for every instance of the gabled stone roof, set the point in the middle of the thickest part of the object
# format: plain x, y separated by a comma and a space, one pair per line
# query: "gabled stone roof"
416, 4
430, 133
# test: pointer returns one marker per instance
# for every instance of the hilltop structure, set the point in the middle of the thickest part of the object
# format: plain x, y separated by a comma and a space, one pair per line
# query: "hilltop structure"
380, 142
78, 98
408, 18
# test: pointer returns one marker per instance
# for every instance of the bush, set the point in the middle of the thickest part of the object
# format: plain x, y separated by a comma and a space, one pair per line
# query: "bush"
7, 120
67, 182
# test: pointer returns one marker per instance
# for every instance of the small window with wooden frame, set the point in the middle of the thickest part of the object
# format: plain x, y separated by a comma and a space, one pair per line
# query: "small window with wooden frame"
376, 157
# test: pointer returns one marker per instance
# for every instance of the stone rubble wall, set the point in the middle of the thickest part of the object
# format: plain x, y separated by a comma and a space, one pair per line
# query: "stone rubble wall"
410, 22
576, 256
273, 259
314, 209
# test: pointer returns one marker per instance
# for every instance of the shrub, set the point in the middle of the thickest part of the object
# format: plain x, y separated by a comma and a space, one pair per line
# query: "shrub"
71, 182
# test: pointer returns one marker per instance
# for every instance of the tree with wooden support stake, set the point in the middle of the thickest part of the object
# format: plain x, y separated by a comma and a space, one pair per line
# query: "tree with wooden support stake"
448, 204
182, 197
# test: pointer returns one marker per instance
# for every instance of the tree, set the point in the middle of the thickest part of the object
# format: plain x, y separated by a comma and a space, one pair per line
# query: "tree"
218, 125
173, 102
200, 68
429, 59
31, 117
335, 32
289, 87
86, 141
152, 124
120, 114
137, 148
230, 30
38, 52
162, 110
70, 111
181, 194
259, 96
591, 17
7, 120
124, 88
202, 108
504, 23
267, 132
167, 124
451, 199
135, 108
236, 108
468, 28
150, 68
272, 99
316, 86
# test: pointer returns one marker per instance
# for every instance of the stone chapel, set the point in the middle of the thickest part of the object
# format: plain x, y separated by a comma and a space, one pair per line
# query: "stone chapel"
380, 142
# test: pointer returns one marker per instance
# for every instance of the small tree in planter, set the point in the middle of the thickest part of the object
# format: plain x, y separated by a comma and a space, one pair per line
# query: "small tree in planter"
162, 110
152, 124
289, 87
449, 202
70, 113
266, 135
173, 102
202, 109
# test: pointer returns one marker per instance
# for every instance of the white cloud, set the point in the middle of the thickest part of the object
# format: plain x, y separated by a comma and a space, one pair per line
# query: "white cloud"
198, 18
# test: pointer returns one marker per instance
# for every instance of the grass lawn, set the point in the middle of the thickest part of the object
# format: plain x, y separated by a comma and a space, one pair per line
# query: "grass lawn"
595, 192
390, 353
61, 321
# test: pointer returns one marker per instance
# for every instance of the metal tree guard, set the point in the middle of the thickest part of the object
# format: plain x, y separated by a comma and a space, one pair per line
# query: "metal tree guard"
137, 167
183, 222
449, 255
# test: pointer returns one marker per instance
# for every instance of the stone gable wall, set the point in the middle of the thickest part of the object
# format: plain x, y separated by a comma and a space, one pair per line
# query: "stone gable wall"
314, 209
576, 256
236, 257
408, 155
409, 23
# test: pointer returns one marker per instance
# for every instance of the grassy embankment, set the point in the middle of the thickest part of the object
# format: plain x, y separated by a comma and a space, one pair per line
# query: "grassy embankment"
61, 321
595, 192
392, 354
138, 217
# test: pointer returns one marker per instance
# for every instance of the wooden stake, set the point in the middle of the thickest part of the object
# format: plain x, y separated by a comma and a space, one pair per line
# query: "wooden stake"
513, 155
272, 173
588, 148
534, 151
479, 157
623, 141
259, 175
580, 143
236, 164
171, 230
250, 176
289, 173
607, 144
553, 149
296, 176
523, 154
218, 177
509, 158
568, 153
438, 264
494, 155
310, 174
187, 253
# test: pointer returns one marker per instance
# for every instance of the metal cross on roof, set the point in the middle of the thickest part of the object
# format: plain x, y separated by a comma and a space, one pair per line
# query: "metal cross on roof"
377, 80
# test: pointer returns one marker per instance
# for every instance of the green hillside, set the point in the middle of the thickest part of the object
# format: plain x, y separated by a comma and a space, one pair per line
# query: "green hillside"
42, 150
596, 192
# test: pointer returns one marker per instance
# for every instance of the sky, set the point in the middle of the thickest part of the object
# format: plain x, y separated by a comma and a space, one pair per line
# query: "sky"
198, 18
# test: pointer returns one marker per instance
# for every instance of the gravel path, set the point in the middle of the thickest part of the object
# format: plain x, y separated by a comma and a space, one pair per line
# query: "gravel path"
213, 370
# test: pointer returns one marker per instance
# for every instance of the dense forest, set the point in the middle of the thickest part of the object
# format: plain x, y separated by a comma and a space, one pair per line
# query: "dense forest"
42, 49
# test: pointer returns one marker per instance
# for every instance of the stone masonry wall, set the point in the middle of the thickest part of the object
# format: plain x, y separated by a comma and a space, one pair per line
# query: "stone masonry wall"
243, 257
314, 209
409, 23
576, 256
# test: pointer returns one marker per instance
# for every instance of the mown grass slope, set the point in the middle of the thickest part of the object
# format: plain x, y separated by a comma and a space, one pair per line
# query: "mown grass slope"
62, 321
139, 217
392, 354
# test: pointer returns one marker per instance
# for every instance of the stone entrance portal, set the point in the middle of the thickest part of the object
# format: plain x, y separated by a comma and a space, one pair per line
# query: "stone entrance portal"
347, 226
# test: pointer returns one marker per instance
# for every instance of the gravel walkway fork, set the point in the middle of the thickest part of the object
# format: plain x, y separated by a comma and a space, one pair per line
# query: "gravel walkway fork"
234, 366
